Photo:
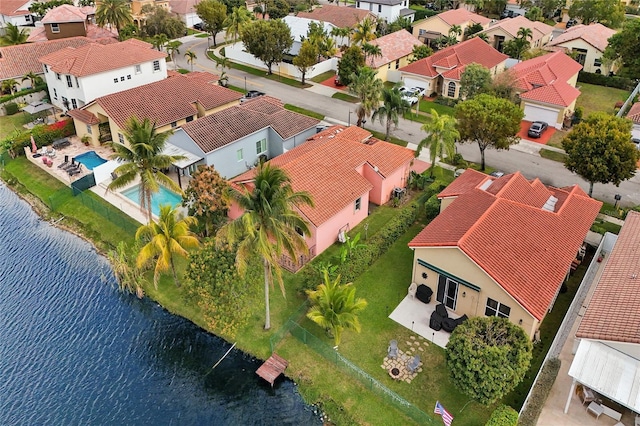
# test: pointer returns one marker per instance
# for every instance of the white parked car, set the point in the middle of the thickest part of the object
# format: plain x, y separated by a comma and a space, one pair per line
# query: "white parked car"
409, 94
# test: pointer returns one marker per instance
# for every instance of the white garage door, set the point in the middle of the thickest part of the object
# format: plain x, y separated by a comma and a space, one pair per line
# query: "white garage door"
415, 82
539, 113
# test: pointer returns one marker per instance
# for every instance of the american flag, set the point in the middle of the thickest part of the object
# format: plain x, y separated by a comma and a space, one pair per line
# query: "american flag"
446, 417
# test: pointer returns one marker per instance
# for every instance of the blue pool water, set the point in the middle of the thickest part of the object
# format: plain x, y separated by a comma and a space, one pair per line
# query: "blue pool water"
90, 159
164, 196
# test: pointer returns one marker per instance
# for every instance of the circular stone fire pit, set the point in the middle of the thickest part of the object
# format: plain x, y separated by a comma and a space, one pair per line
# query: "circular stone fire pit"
394, 373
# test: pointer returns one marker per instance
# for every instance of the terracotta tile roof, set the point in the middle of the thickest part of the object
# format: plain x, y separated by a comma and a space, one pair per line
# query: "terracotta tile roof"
96, 58
596, 35
461, 16
166, 101
343, 152
224, 127
65, 13
634, 113
512, 25
14, 8
16, 61
84, 116
613, 312
182, 7
526, 249
474, 50
559, 93
340, 16
393, 47
94, 32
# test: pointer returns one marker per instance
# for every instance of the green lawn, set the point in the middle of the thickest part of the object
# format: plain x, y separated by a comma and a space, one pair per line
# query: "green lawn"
599, 98
10, 123
552, 155
345, 97
303, 111
324, 76
426, 106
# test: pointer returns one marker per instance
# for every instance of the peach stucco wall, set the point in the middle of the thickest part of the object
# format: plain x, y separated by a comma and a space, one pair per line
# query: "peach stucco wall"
346, 219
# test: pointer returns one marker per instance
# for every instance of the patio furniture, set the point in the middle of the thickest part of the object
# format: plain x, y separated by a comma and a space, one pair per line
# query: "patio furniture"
462, 319
442, 310
424, 293
392, 350
435, 322
595, 409
64, 163
412, 290
449, 324
61, 143
413, 364
587, 395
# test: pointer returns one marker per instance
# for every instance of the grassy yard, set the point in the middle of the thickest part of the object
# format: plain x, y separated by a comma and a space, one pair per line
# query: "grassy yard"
426, 106
303, 111
345, 97
324, 76
552, 155
392, 139
556, 138
599, 98
10, 123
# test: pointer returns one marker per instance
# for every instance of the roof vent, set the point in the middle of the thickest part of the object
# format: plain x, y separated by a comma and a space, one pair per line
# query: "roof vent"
550, 205
486, 184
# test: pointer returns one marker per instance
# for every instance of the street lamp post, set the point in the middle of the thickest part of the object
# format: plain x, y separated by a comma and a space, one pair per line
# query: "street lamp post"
349, 118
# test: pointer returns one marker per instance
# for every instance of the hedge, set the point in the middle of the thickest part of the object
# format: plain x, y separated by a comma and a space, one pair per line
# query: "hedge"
43, 135
23, 92
11, 108
539, 393
605, 80
503, 416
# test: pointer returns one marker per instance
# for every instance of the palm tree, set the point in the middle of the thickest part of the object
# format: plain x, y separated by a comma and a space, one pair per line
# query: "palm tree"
335, 307
442, 136
159, 41
342, 32
525, 33
9, 85
33, 78
371, 50
173, 47
367, 88
392, 108
14, 35
191, 57
235, 21
115, 13
482, 36
143, 159
165, 240
126, 272
269, 226
455, 31
364, 31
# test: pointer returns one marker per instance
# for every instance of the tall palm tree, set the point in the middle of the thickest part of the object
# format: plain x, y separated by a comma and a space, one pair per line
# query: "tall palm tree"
9, 85
372, 51
159, 41
455, 31
392, 108
165, 240
363, 32
235, 21
143, 158
173, 47
342, 32
269, 226
525, 33
191, 57
335, 307
442, 135
33, 78
367, 88
115, 13
14, 35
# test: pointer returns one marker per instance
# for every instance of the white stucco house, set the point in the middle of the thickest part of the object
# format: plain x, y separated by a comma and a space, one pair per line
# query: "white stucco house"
389, 10
77, 76
634, 116
186, 11
15, 12
299, 28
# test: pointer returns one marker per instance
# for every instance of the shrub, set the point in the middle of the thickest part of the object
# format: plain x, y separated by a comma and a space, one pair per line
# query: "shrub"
503, 416
11, 108
432, 207
446, 101
605, 80
43, 135
539, 393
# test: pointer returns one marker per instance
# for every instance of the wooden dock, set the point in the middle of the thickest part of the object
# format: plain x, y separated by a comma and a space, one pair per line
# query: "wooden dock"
272, 368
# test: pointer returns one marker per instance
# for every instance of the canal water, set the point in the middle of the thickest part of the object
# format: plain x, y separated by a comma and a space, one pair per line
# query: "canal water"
75, 351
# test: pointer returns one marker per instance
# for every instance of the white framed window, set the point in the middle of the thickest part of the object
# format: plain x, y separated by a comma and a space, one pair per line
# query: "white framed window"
261, 146
128, 76
55, 28
358, 204
379, 8
77, 82
496, 309
239, 155
137, 69
74, 104
55, 93
27, 18
451, 90
156, 66
58, 76
69, 81
46, 68
597, 62
174, 124
121, 138
89, 129
122, 78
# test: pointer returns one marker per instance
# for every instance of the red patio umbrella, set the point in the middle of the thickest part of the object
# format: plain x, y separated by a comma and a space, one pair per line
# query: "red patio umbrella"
34, 148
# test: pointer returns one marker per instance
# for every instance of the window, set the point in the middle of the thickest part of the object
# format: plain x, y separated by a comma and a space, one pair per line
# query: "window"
597, 62
137, 69
299, 231
55, 28
239, 154
389, 66
379, 8
451, 90
128, 76
397, 63
58, 76
371, 7
174, 124
77, 83
358, 5
496, 309
74, 104
121, 138
55, 93
580, 55
156, 66
27, 18
261, 146
122, 78
115, 80
358, 203
89, 129
46, 68
190, 119
69, 82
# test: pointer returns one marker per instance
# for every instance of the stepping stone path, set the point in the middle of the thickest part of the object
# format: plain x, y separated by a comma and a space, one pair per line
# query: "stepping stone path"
400, 363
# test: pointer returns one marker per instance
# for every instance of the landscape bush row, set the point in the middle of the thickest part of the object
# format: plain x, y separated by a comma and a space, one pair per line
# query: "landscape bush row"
43, 135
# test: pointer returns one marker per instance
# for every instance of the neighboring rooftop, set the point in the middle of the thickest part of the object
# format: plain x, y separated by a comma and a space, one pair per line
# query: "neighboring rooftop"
68, 13
224, 127
613, 314
97, 58
14, 8
342, 150
451, 61
523, 234
182, 7
393, 47
340, 16
461, 16
163, 102
634, 113
94, 32
596, 35
512, 26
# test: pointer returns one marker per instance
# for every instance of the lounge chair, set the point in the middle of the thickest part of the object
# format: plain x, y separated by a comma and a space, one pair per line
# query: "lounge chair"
392, 350
75, 170
413, 364
64, 163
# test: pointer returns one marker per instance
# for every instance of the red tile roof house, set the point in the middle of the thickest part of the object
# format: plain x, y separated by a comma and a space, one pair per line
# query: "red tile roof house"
234, 139
70, 21
76, 76
344, 169
547, 87
168, 103
15, 12
507, 29
634, 116
588, 43
186, 11
436, 26
502, 246
396, 50
440, 73
341, 17
608, 353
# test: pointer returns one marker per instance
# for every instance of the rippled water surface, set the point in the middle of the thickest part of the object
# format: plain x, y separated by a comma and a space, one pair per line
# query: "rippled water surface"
75, 351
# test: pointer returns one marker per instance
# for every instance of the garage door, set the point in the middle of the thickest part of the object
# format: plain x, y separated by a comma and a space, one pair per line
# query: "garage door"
539, 113
415, 82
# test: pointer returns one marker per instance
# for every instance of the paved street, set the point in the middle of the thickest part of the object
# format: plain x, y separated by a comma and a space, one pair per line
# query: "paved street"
523, 157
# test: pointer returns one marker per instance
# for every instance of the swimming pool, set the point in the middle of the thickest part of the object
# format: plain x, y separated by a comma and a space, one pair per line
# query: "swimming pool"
164, 196
90, 159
